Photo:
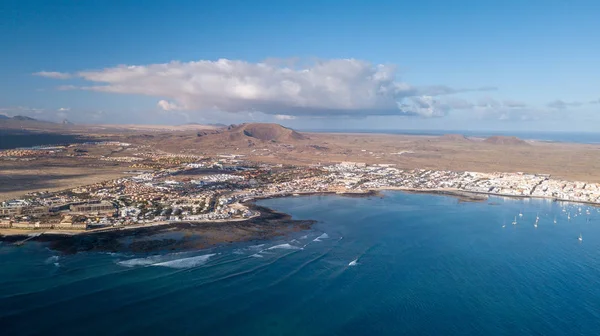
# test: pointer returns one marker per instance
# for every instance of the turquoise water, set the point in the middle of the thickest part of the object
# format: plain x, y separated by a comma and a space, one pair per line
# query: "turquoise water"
409, 264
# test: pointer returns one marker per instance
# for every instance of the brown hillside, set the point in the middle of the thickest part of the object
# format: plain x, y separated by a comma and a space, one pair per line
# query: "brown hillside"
505, 140
264, 132
453, 137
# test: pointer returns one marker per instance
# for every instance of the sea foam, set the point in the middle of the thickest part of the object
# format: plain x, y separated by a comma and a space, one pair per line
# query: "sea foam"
323, 236
141, 261
284, 247
186, 262
52, 260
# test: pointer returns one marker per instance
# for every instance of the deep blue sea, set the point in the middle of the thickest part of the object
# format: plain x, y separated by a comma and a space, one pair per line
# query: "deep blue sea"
575, 137
404, 264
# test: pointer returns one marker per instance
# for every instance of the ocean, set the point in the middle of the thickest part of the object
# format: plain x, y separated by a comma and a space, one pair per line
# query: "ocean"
573, 137
402, 264
11, 139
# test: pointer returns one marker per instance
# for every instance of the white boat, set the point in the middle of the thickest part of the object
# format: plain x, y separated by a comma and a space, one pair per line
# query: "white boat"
554, 219
536, 222
580, 238
537, 217
515, 221
569, 216
520, 214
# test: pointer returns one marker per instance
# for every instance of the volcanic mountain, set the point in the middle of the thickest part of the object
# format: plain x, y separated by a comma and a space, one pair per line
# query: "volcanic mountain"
263, 132
505, 140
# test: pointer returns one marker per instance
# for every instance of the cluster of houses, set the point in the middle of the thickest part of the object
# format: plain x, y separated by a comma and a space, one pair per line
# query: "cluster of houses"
163, 196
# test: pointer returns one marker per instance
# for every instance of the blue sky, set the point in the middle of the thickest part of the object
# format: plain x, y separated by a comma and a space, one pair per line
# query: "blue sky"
497, 65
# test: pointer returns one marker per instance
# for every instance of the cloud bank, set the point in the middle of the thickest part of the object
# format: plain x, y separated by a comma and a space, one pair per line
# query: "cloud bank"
338, 87
53, 74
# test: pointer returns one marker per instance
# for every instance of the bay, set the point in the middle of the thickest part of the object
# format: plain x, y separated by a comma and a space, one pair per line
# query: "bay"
413, 264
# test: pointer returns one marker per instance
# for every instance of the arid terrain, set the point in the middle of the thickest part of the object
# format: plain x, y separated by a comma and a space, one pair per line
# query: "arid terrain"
271, 143
275, 144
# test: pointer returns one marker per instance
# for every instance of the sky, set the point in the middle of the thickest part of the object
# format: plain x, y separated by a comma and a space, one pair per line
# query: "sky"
388, 65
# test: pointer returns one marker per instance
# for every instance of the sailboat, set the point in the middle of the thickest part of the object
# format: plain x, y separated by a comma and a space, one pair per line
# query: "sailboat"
554, 219
520, 214
536, 222
537, 217
580, 238
569, 216
515, 221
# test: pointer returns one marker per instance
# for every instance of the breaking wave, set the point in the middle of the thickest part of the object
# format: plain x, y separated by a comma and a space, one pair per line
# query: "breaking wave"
323, 236
186, 262
284, 247
52, 260
141, 261
256, 255
167, 261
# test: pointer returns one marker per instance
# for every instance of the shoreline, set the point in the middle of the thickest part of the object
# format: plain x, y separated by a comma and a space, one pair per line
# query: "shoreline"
170, 236
267, 224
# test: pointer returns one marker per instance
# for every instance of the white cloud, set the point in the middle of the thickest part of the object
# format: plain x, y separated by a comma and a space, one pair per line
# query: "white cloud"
561, 105
53, 74
338, 87
168, 106
64, 109
425, 106
514, 104
284, 117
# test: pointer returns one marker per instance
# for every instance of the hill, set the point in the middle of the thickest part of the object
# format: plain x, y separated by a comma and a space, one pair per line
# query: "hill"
263, 132
505, 140
454, 137
23, 122
20, 117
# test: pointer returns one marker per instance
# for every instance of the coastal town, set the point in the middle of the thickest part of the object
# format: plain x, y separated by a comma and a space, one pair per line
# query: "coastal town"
163, 188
